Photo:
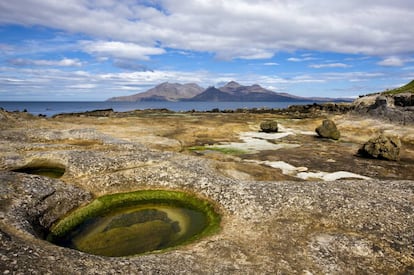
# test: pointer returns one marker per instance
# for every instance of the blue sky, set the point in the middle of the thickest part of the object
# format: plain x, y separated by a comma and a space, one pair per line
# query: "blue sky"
94, 50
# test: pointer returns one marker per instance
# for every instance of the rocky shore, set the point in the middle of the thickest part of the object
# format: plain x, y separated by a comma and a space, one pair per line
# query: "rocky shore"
273, 221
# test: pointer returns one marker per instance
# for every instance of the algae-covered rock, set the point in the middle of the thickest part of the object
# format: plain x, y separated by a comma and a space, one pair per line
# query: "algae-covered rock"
123, 241
269, 126
141, 216
328, 130
382, 147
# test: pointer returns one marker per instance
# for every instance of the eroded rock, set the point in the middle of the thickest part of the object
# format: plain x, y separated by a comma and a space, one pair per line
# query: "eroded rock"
382, 147
328, 130
269, 126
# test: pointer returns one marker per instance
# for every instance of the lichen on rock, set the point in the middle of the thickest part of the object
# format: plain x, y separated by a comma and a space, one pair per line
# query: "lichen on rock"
269, 126
382, 147
328, 130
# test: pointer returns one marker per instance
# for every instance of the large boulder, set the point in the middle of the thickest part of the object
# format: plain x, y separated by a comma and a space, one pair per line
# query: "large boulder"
328, 130
269, 126
382, 147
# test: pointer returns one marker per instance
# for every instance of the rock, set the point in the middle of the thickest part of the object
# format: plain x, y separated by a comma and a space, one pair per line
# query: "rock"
404, 100
380, 101
328, 130
393, 108
382, 147
269, 126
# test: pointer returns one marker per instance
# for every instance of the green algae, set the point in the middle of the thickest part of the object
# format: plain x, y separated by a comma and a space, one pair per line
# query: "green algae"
137, 222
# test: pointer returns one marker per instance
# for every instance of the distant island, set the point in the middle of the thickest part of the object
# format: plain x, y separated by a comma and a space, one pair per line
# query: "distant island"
231, 92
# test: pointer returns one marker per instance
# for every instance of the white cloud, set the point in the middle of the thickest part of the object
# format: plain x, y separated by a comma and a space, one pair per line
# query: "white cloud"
271, 64
65, 62
230, 29
120, 49
392, 61
301, 59
330, 65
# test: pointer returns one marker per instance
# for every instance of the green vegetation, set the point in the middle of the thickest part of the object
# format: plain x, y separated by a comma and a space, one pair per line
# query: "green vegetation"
223, 150
408, 88
107, 204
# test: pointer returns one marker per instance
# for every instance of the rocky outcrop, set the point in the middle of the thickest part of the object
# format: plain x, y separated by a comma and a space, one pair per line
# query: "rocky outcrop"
382, 147
269, 126
397, 108
328, 130
404, 100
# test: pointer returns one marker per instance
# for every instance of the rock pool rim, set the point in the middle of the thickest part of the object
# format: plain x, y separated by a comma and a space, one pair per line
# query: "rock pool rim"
108, 203
42, 167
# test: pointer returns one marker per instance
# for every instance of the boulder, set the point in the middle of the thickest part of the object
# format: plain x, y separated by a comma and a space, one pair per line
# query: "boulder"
382, 147
404, 100
269, 126
328, 130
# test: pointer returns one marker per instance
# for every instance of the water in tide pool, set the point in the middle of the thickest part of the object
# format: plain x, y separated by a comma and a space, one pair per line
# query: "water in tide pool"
53, 108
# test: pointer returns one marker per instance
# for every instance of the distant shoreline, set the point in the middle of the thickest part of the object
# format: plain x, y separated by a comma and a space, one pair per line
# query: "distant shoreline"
51, 108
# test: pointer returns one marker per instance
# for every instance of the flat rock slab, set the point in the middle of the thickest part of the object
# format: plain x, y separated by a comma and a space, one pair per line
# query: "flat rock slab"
351, 227
267, 227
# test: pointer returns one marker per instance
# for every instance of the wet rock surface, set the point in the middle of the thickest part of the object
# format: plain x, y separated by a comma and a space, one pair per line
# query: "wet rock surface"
350, 226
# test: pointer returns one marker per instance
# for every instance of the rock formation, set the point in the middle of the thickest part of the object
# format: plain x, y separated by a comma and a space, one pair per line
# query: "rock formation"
395, 105
328, 130
382, 147
269, 126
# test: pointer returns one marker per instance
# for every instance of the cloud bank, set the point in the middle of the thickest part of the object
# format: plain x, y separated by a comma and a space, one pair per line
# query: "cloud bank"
230, 29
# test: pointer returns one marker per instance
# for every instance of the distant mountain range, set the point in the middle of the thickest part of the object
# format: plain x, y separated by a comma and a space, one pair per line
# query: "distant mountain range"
164, 92
232, 91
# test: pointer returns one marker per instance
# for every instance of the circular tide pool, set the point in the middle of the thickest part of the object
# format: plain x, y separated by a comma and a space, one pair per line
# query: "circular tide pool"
138, 222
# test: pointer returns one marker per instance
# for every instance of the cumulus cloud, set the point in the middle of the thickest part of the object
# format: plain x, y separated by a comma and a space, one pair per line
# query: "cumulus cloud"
65, 62
330, 65
230, 29
120, 49
392, 61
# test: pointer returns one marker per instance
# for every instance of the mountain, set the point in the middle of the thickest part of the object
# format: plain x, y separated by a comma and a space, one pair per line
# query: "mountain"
233, 91
164, 92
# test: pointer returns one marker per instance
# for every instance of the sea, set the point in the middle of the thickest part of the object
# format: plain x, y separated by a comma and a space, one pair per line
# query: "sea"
49, 108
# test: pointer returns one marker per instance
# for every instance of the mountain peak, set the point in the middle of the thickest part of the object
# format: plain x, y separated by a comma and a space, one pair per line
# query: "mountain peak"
232, 84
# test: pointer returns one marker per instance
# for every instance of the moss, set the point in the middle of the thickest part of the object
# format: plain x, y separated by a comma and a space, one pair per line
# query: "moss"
108, 203
223, 150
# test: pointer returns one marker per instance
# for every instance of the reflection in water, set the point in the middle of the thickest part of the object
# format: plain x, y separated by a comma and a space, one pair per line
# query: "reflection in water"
134, 230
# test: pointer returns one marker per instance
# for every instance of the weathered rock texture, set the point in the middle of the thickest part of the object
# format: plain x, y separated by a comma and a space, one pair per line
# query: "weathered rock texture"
269, 126
328, 130
382, 147
395, 108
348, 227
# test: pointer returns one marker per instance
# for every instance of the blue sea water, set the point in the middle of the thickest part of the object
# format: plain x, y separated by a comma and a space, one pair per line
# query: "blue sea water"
49, 108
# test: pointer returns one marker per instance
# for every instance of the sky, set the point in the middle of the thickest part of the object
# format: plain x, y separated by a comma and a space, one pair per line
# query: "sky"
91, 50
